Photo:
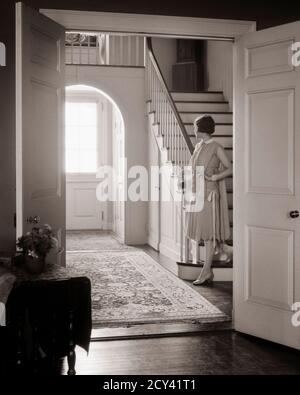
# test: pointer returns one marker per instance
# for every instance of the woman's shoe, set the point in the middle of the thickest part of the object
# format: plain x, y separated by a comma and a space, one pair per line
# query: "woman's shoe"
201, 280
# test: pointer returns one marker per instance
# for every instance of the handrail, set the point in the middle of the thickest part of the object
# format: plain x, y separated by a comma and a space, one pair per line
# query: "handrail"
169, 96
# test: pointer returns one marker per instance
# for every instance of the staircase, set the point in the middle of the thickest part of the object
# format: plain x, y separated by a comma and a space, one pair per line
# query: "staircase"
171, 116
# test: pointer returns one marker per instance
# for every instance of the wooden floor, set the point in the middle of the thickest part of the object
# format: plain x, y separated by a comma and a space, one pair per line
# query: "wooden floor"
208, 353
184, 350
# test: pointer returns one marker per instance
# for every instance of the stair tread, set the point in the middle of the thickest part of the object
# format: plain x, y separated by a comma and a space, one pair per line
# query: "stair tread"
201, 101
212, 92
228, 242
205, 112
216, 123
218, 136
215, 264
229, 136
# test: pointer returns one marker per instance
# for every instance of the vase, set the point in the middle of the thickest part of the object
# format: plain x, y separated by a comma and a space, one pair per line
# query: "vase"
35, 264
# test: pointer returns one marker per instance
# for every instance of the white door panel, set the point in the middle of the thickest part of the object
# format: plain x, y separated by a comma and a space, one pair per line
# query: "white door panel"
267, 184
84, 211
40, 122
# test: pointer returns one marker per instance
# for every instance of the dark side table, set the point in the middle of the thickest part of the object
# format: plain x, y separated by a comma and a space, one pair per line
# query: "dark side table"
46, 318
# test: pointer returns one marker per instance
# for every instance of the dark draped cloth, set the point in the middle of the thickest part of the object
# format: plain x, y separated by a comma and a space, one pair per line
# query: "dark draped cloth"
51, 313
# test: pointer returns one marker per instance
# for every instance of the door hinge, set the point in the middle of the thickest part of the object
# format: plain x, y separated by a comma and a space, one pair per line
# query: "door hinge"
15, 220
102, 215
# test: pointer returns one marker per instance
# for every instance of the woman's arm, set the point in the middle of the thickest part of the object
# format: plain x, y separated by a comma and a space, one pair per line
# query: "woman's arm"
226, 163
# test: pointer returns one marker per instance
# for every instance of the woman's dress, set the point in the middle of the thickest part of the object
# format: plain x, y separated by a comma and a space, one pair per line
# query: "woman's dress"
212, 222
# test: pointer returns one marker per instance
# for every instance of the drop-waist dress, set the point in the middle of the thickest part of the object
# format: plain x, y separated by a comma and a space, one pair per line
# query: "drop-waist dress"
212, 222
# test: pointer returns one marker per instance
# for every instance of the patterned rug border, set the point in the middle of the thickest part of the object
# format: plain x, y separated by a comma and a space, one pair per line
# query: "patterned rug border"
218, 316
100, 237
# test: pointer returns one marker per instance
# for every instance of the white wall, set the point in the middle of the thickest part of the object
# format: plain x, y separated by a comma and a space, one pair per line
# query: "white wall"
219, 64
219, 68
166, 53
126, 87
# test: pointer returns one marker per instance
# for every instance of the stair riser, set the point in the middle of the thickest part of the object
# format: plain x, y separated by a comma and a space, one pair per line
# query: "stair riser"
224, 141
220, 129
231, 216
229, 183
230, 199
201, 107
229, 154
190, 273
218, 118
198, 96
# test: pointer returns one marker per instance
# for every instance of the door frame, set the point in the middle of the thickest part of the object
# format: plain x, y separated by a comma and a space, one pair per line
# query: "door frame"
149, 25
146, 25
86, 178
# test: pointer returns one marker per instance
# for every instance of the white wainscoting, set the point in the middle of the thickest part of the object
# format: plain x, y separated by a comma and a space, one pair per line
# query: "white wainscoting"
170, 218
83, 209
126, 51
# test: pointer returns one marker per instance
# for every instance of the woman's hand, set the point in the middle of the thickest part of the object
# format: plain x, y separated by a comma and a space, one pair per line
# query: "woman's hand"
213, 178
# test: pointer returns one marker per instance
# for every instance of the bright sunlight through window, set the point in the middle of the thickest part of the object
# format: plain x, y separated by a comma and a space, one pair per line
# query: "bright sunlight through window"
81, 137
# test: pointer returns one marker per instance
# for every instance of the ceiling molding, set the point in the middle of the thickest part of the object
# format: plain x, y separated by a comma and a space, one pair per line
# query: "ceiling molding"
150, 25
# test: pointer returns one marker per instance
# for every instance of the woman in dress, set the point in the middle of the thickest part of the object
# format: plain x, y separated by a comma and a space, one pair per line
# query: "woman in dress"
211, 224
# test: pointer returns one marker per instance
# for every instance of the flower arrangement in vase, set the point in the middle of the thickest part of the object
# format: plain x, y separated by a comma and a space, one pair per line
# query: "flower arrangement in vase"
35, 246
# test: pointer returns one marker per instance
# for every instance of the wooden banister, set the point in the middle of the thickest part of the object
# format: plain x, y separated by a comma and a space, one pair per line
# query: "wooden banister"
168, 95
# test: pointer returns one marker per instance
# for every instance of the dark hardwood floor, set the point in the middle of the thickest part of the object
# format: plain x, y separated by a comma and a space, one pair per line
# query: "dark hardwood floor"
185, 349
207, 353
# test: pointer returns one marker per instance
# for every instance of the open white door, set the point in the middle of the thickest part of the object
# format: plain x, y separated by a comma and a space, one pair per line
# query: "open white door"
40, 89
119, 170
267, 185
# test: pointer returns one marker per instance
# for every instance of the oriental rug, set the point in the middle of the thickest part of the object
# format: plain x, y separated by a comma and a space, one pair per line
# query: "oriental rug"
131, 288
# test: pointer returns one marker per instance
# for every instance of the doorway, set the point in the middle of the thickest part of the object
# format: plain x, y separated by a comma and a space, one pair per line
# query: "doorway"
262, 307
94, 136
205, 71
199, 77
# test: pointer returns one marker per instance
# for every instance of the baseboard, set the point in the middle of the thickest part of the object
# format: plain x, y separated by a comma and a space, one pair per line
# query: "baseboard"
154, 243
108, 226
118, 238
